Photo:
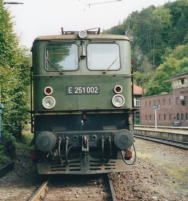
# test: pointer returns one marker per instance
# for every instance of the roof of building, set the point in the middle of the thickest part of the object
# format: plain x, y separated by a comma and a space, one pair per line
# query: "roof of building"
137, 90
177, 77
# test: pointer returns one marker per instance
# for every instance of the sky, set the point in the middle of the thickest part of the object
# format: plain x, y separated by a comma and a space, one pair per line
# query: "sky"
46, 17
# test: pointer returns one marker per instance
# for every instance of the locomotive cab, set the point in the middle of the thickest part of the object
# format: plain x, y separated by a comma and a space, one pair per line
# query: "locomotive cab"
81, 102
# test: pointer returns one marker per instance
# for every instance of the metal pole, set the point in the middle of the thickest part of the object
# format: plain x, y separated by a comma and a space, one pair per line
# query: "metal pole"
155, 118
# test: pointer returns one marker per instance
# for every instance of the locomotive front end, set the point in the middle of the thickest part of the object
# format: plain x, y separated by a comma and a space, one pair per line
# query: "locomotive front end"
82, 103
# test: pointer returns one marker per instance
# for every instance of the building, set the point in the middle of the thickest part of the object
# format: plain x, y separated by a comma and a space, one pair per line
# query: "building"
137, 94
172, 108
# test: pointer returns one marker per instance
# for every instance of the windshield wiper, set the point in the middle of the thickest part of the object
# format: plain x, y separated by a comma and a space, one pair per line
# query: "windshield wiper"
113, 62
54, 66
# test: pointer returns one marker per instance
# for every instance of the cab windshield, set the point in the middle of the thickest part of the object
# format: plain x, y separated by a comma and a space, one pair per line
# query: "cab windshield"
103, 57
61, 57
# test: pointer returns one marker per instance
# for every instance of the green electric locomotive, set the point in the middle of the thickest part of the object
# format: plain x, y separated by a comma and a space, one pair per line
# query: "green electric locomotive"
81, 103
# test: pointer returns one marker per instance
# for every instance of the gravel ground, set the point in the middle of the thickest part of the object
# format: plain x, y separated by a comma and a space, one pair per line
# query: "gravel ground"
19, 184
160, 174
79, 188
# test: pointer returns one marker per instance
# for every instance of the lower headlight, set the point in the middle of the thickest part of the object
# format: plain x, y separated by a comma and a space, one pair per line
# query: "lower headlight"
48, 102
118, 100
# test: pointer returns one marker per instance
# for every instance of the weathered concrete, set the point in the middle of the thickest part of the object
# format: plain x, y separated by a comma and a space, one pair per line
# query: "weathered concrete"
167, 134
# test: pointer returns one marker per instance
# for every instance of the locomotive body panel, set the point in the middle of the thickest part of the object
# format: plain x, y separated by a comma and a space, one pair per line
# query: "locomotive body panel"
81, 103
84, 92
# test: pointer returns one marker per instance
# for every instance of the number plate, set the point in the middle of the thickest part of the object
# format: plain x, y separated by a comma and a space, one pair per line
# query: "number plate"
83, 90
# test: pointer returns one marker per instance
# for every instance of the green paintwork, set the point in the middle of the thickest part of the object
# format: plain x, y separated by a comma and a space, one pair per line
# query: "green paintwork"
103, 100
106, 80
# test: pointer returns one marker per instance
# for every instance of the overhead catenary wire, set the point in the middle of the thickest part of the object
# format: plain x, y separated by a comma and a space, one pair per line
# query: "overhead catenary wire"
12, 3
102, 2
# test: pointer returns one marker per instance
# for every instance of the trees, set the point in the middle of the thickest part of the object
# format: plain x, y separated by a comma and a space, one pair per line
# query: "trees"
174, 64
179, 18
159, 46
155, 29
165, 71
14, 77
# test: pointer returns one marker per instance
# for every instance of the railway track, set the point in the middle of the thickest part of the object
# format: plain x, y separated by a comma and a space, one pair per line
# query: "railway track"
164, 141
79, 188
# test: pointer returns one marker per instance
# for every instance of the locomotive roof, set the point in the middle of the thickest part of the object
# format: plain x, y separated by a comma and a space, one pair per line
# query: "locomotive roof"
89, 36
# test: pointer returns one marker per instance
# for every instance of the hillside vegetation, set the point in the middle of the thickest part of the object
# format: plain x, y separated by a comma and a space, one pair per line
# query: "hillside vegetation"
14, 77
159, 44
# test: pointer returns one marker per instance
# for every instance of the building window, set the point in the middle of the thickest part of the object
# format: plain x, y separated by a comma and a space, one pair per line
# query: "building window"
149, 103
159, 102
146, 117
177, 100
159, 116
182, 116
164, 116
182, 81
137, 102
178, 116
154, 102
145, 103
186, 116
169, 101
170, 116
150, 116
185, 99
164, 101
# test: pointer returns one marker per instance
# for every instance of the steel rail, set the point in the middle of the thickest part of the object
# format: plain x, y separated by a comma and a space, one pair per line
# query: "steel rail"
40, 192
163, 141
110, 186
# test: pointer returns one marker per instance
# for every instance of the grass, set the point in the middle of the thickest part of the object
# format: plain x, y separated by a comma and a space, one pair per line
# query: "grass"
146, 155
25, 143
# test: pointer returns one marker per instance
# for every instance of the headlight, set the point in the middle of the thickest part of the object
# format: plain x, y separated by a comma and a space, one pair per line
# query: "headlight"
48, 102
82, 34
118, 100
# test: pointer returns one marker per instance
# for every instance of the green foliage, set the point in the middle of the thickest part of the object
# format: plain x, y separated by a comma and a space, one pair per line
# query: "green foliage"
179, 18
157, 83
141, 78
183, 66
155, 30
14, 77
27, 138
8, 40
160, 44
119, 29
176, 63
3, 158
180, 52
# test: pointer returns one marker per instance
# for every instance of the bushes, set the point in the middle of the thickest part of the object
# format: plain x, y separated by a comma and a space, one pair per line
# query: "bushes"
14, 78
